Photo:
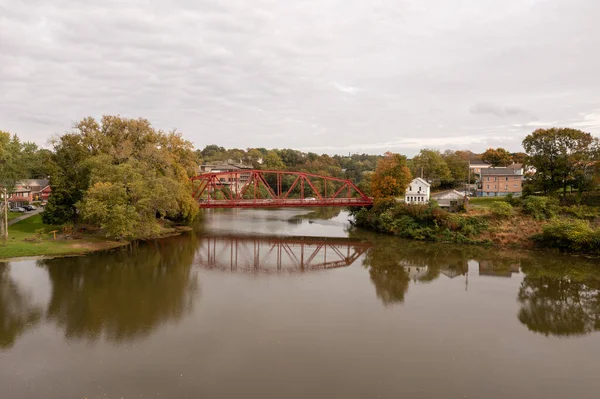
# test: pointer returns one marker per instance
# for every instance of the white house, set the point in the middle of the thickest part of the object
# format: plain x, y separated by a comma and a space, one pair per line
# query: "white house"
417, 192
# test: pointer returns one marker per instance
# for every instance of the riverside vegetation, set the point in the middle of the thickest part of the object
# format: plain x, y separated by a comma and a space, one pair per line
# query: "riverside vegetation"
118, 179
549, 215
535, 221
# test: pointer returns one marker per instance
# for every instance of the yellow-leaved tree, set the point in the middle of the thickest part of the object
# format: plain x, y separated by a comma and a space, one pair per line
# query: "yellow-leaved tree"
391, 176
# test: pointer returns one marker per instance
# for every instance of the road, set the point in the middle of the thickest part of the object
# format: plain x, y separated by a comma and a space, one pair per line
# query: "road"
25, 216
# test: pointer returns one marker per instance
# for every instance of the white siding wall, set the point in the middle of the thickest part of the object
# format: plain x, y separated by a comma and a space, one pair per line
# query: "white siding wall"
417, 192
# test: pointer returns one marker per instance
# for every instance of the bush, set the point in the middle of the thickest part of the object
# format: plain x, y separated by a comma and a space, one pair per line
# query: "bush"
581, 212
541, 208
420, 222
502, 210
570, 236
514, 201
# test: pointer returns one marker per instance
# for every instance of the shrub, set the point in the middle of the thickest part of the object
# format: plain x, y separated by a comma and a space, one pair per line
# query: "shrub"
514, 201
570, 236
541, 207
581, 212
501, 210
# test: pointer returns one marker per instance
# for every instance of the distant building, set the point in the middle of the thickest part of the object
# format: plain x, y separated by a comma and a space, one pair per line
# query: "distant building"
489, 268
30, 190
497, 182
417, 192
447, 198
240, 173
477, 165
416, 273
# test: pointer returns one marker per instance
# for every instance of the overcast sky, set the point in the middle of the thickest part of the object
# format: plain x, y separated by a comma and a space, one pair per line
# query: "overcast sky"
332, 76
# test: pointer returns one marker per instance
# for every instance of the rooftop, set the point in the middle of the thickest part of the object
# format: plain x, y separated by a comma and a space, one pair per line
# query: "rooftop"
500, 172
32, 183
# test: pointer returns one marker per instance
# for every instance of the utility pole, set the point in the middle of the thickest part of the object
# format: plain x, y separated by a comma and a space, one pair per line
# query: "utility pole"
5, 215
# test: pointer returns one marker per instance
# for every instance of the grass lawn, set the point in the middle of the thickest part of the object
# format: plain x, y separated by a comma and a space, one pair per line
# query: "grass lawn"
14, 215
21, 241
484, 202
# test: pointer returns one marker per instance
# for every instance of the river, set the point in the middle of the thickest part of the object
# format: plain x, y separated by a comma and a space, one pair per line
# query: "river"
290, 303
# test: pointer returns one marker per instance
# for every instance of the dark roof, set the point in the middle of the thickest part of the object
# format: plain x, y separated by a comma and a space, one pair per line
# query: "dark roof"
500, 172
473, 162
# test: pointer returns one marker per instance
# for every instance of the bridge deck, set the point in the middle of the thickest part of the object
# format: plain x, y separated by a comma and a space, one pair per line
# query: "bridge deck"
283, 203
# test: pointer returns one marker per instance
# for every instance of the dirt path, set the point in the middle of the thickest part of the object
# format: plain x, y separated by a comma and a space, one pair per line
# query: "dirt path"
25, 216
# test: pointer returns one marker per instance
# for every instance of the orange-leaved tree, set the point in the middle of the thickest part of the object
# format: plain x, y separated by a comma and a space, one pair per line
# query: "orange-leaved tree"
391, 176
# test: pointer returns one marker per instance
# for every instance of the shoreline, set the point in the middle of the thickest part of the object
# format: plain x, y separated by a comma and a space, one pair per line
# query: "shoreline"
64, 248
481, 227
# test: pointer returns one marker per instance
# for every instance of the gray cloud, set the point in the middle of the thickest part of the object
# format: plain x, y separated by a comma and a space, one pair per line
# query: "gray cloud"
328, 75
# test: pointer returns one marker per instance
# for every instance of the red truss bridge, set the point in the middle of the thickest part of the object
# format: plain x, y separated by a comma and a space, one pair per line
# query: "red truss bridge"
274, 189
275, 255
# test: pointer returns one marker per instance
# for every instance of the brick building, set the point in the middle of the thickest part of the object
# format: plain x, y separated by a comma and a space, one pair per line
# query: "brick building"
497, 182
27, 191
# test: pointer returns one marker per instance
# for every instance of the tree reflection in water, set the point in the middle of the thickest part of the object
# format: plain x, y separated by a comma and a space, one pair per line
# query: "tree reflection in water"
560, 297
17, 313
122, 295
393, 263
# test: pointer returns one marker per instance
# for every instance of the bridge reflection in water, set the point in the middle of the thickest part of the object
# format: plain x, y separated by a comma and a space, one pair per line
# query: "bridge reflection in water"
256, 254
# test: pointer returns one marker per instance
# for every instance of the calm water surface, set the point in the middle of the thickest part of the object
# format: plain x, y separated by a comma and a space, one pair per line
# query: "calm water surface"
296, 304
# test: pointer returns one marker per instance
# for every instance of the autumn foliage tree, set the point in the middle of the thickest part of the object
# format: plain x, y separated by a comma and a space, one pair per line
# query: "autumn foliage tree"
391, 176
497, 157
122, 175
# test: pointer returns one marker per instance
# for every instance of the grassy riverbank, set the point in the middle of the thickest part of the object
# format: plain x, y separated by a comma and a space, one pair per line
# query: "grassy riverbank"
30, 237
515, 223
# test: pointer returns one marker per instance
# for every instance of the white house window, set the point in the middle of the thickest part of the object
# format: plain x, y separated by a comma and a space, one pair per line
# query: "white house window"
409, 188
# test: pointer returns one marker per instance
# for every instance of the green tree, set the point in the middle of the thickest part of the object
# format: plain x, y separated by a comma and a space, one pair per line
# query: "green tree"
560, 156
391, 176
253, 157
122, 175
497, 157
272, 161
69, 179
432, 167
10, 172
458, 166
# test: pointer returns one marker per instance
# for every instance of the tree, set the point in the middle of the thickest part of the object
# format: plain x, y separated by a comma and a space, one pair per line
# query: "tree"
366, 182
211, 151
458, 166
391, 176
430, 165
497, 157
272, 161
121, 174
560, 156
520, 157
10, 172
69, 179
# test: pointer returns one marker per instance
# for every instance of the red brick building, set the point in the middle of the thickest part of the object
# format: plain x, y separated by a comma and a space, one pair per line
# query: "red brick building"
30, 190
